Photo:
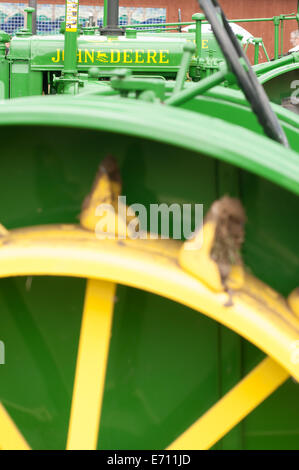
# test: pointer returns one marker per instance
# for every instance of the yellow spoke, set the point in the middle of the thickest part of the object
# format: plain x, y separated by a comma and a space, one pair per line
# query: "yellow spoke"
233, 407
10, 436
91, 365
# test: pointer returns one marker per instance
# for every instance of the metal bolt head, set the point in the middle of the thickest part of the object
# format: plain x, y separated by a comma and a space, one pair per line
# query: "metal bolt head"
198, 17
4, 37
93, 72
121, 74
189, 47
131, 33
24, 32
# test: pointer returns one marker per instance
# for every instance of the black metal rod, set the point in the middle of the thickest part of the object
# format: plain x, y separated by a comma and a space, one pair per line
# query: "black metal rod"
33, 4
112, 13
112, 28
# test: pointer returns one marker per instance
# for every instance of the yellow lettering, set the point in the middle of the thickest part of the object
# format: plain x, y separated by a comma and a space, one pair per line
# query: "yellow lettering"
89, 55
139, 59
205, 43
151, 55
164, 57
63, 55
115, 56
57, 59
79, 55
126, 56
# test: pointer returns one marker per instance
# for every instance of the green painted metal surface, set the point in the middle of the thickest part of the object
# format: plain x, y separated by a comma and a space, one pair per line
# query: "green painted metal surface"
230, 105
160, 123
24, 82
143, 54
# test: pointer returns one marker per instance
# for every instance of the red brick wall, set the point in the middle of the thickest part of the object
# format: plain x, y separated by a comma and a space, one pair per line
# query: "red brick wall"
233, 9
263, 9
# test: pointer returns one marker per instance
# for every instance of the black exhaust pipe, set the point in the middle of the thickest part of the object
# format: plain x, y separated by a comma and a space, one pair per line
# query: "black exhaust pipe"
33, 4
112, 28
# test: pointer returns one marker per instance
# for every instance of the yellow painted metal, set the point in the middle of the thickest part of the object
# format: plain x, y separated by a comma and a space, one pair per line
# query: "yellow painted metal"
233, 407
293, 301
195, 257
10, 436
91, 365
223, 229
3, 231
255, 311
103, 211
106, 189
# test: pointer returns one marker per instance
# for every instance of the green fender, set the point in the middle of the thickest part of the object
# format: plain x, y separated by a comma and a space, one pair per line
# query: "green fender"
202, 134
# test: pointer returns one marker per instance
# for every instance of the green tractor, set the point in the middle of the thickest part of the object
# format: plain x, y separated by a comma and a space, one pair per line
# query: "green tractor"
32, 63
149, 258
